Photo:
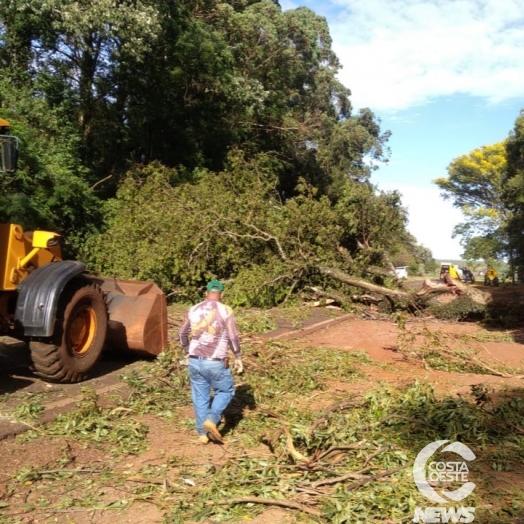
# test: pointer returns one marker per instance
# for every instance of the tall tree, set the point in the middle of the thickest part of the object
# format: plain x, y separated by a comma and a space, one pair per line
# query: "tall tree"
114, 86
184, 82
476, 184
486, 248
71, 51
514, 191
50, 189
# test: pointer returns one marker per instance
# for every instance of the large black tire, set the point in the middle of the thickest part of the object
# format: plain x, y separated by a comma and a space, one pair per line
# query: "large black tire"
81, 327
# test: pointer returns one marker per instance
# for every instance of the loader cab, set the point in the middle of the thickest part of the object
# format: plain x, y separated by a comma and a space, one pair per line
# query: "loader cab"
444, 268
8, 149
461, 273
450, 269
9, 153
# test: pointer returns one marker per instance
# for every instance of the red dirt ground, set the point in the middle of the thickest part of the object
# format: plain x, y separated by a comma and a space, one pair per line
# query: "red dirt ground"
379, 340
170, 441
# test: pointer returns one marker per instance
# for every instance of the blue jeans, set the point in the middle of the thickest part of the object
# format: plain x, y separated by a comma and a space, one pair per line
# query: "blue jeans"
205, 375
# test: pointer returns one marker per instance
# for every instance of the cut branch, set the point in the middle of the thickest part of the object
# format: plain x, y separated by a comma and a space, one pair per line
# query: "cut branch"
381, 421
429, 288
100, 182
338, 297
375, 477
337, 480
358, 446
335, 407
366, 299
270, 502
374, 270
347, 279
393, 295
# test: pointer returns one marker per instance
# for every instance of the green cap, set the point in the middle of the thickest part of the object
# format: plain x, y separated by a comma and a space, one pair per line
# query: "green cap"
215, 286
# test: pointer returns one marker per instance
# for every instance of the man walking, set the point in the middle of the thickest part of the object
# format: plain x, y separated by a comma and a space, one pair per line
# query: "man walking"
208, 330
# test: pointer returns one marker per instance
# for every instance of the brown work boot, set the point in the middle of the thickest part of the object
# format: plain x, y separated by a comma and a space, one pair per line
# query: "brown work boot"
212, 431
203, 439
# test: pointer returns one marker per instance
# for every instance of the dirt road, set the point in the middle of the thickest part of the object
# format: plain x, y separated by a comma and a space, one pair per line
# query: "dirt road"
32, 496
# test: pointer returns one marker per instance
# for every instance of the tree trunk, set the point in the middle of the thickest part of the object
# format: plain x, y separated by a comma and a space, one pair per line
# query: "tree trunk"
395, 295
352, 281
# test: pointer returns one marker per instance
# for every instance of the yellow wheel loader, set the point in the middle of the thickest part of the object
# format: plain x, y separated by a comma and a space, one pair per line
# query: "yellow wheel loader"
492, 277
66, 315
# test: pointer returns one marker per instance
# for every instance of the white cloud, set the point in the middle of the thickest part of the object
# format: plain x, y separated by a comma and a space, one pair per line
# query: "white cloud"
401, 53
431, 219
289, 4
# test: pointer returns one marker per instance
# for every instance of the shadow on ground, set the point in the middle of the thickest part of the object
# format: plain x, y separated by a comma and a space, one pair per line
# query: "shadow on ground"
244, 399
16, 374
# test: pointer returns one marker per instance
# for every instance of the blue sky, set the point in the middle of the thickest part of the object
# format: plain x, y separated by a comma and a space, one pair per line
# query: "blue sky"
444, 76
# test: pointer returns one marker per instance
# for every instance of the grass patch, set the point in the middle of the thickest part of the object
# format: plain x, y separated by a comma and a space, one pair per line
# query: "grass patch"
255, 322
349, 462
445, 352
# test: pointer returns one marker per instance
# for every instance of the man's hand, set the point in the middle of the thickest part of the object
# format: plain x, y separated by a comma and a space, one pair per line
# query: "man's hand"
185, 361
239, 367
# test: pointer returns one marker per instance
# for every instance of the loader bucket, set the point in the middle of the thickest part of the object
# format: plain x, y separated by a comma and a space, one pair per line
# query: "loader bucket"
137, 316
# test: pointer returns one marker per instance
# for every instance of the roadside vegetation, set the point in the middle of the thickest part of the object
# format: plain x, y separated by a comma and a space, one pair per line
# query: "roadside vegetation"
294, 442
241, 158
182, 141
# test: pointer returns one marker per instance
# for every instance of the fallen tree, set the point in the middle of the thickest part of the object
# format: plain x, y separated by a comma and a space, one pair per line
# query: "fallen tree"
401, 299
455, 287
235, 226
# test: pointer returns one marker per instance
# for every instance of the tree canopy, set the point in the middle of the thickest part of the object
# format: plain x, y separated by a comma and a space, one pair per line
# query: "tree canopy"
514, 191
238, 225
476, 186
488, 186
209, 138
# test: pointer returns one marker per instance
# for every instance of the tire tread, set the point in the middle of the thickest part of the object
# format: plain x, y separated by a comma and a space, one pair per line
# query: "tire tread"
49, 357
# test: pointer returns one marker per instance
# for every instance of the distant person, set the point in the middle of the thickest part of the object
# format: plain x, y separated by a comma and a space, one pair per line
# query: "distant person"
208, 330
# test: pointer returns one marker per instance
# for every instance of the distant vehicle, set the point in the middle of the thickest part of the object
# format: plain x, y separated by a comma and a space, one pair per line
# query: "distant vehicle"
467, 275
462, 273
401, 271
491, 278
